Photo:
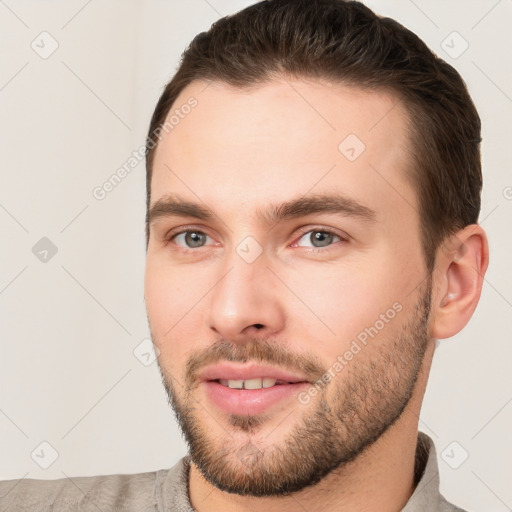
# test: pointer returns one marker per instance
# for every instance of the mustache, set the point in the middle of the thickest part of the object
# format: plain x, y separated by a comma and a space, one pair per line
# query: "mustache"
256, 350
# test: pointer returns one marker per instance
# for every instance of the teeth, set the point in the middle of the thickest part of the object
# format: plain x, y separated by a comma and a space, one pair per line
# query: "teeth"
236, 384
249, 383
252, 384
268, 383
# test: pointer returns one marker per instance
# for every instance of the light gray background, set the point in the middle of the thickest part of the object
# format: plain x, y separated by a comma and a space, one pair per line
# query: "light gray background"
69, 326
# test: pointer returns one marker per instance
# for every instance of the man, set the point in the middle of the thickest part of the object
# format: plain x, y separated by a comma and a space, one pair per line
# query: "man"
313, 179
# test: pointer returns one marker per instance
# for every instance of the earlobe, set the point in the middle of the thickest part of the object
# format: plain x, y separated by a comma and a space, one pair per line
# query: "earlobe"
460, 267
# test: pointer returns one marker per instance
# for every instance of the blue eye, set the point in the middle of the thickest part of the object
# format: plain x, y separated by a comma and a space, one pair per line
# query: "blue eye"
319, 238
192, 239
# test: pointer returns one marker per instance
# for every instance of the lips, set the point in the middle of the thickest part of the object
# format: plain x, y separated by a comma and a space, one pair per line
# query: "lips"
245, 372
250, 389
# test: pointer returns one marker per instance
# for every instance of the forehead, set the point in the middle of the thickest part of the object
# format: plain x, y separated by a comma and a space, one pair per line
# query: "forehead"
283, 139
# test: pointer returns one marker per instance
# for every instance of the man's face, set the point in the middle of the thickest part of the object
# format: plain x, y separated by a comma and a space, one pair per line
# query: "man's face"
331, 303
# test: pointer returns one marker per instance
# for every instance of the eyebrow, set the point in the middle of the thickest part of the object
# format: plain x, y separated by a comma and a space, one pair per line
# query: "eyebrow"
334, 203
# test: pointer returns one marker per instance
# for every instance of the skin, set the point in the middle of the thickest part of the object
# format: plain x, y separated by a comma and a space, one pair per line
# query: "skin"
236, 152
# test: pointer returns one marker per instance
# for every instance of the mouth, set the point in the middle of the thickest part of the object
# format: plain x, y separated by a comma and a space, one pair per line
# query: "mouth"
257, 383
248, 389
250, 375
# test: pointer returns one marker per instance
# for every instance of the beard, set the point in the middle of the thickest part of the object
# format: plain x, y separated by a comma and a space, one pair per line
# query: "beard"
345, 418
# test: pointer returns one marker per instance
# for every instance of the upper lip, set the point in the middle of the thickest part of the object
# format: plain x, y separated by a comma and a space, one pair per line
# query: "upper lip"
244, 371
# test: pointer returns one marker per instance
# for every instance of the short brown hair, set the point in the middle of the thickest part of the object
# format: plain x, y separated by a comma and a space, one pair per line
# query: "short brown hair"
346, 42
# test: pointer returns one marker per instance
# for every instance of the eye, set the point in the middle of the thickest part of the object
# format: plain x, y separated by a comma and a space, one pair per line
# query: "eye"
319, 238
189, 239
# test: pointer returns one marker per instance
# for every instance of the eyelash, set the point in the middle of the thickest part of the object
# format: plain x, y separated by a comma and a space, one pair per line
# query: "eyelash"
343, 238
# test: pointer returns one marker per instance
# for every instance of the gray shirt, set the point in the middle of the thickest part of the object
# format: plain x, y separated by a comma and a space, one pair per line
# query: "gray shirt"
167, 490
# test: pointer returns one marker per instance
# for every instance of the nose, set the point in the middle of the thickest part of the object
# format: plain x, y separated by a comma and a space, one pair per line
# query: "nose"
246, 301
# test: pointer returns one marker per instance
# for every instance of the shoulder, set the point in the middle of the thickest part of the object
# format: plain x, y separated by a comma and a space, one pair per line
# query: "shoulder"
445, 506
106, 492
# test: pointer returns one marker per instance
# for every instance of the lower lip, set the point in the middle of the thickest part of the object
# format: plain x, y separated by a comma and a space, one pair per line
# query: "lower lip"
250, 401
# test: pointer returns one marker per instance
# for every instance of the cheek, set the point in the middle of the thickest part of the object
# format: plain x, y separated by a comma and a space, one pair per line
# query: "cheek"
344, 303
175, 310
164, 310
167, 299
335, 300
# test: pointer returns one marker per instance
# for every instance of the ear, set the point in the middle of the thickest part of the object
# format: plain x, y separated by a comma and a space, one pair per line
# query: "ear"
461, 263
